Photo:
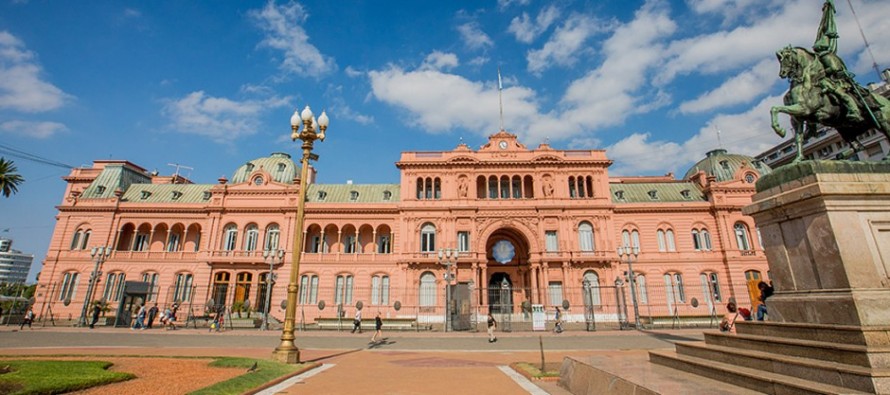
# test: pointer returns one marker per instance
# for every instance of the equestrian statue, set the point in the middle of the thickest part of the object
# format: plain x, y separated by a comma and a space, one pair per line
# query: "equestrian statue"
823, 92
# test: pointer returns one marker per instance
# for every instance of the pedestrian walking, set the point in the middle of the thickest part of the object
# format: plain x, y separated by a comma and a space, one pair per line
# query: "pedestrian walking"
557, 328
96, 311
28, 319
492, 325
140, 318
378, 325
766, 291
152, 314
357, 322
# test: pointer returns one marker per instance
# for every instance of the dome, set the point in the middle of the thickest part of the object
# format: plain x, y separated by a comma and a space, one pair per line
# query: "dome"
279, 165
723, 165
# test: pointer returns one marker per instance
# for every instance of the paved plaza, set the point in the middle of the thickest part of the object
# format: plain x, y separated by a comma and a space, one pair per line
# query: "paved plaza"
406, 363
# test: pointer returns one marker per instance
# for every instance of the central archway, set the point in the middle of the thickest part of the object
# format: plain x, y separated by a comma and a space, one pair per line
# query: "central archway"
507, 257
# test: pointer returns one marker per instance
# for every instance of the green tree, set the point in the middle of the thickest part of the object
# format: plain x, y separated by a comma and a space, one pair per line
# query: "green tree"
9, 178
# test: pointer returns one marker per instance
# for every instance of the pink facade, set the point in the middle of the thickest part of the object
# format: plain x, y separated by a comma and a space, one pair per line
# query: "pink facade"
529, 225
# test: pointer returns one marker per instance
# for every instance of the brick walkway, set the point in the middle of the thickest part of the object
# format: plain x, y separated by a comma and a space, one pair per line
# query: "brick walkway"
407, 363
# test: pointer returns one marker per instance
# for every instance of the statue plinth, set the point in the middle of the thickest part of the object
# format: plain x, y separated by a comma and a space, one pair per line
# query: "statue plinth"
825, 227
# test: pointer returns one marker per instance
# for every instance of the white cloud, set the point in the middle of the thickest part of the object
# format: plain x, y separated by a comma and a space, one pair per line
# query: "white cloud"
352, 72
746, 133
565, 45
440, 102
21, 87
284, 32
440, 61
473, 36
740, 89
606, 95
502, 4
221, 119
39, 130
527, 30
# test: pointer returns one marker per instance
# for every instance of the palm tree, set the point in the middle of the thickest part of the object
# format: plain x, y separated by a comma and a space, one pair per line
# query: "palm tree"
9, 179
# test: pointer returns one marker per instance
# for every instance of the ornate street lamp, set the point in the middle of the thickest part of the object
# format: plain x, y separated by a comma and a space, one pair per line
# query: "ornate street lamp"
447, 256
99, 254
629, 254
287, 351
273, 257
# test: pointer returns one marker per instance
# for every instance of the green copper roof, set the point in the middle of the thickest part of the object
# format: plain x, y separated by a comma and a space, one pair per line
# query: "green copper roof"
654, 192
167, 193
353, 193
723, 165
279, 164
112, 177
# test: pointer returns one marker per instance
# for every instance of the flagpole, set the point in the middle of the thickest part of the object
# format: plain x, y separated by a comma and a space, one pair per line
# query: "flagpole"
501, 97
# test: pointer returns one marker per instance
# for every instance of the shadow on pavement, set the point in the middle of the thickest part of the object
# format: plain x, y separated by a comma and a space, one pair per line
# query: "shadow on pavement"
669, 337
335, 355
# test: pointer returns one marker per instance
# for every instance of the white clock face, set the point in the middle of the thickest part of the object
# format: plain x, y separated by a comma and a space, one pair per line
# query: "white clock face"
503, 145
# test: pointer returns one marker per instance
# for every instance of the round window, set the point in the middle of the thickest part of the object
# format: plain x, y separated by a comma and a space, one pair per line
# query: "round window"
749, 178
258, 181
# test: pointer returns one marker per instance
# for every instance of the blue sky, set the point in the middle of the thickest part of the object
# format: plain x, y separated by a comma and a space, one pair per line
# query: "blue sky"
211, 85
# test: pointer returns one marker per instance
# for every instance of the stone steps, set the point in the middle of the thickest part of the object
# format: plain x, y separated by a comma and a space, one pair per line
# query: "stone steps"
843, 334
827, 372
851, 354
755, 379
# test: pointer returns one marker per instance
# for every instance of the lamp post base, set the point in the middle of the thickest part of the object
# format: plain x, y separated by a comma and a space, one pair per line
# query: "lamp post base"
287, 355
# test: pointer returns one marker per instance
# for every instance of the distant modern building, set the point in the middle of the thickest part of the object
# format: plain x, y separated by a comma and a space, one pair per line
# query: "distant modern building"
14, 265
828, 144
527, 226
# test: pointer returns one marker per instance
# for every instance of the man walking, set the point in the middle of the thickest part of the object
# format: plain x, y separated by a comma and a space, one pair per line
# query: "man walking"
28, 319
96, 311
140, 318
357, 322
492, 325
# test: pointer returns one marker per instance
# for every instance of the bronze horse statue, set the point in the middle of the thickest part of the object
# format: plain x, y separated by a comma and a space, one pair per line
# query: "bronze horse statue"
818, 97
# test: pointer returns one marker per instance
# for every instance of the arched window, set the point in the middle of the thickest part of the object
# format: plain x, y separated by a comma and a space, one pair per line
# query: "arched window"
75, 240
69, 286
152, 279
625, 238
585, 236
230, 237
516, 187
662, 245
640, 284
673, 283
573, 193
706, 239
343, 289
492, 187
671, 243
437, 188
428, 238
114, 286
505, 187
380, 290
86, 239
173, 241
741, 236
428, 188
251, 237
696, 241
427, 289
635, 239
272, 236
593, 280
182, 288
419, 188
308, 289
710, 287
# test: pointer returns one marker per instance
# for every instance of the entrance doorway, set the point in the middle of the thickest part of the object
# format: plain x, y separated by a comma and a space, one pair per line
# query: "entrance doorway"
500, 293
461, 307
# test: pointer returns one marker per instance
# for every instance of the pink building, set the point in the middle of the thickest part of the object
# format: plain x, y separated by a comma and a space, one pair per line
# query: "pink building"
528, 226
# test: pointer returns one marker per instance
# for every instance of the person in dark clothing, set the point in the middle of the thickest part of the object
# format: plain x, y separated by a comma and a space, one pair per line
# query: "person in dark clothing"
96, 311
378, 325
492, 325
766, 291
152, 313
29, 318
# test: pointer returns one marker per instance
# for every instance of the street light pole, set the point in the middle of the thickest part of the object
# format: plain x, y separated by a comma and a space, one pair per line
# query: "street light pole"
273, 257
287, 351
447, 257
100, 254
629, 254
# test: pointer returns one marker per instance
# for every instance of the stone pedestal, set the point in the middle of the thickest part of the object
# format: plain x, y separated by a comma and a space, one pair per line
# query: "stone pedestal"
825, 228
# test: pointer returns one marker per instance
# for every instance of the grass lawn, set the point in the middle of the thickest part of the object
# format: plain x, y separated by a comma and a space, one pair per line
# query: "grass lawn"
55, 377
266, 371
533, 371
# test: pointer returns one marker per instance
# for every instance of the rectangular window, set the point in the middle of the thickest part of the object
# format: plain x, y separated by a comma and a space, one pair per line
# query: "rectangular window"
315, 246
173, 243
428, 242
141, 242
182, 288
375, 290
304, 289
463, 241
661, 244
671, 244
555, 291
349, 245
384, 294
552, 244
